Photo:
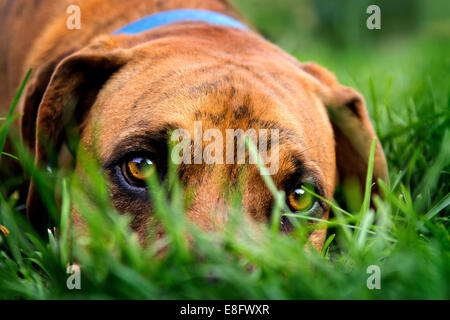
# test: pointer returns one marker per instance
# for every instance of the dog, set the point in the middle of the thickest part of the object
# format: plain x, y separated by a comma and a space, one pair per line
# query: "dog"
126, 92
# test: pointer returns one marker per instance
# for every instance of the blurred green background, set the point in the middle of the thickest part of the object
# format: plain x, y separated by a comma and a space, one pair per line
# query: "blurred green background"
299, 25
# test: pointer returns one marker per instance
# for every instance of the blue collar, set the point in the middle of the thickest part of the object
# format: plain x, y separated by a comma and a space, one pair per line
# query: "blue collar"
172, 16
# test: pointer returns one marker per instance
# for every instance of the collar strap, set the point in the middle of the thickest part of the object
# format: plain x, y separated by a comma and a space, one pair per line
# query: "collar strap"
167, 17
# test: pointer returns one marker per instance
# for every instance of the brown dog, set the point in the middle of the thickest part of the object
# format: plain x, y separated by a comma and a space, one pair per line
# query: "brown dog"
127, 92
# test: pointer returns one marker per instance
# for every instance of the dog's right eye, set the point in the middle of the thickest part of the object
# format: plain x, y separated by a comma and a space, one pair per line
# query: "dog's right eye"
136, 170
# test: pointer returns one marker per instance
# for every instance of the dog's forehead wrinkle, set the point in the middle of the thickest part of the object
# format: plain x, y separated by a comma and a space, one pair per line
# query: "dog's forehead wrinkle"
172, 83
143, 134
294, 159
147, 128
219, 81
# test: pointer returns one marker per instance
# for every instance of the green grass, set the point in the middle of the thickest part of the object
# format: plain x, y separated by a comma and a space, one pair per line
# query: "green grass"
407, 90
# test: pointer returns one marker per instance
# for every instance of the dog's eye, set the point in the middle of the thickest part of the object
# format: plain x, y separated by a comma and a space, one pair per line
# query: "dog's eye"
137, 170
300, 200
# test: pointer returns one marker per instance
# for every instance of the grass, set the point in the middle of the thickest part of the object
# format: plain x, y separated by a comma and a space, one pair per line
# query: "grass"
407, 91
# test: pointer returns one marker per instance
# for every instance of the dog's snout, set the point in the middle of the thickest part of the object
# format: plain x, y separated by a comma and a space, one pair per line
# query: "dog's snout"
209, 209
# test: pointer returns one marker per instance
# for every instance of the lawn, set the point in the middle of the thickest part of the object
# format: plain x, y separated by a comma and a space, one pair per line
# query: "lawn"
405, 81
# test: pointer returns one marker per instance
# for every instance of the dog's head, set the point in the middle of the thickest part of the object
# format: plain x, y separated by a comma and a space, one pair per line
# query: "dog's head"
128, 95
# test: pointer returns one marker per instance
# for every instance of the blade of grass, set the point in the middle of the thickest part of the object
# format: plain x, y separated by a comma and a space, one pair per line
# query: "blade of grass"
64, 225
368, 186
279, 196
327, 244
441, 205
330, 203
375, 104
9, 117
10, 155
365, 225
367, 194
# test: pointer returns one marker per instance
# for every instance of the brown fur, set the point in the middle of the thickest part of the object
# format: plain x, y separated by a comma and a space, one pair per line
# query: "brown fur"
119, 89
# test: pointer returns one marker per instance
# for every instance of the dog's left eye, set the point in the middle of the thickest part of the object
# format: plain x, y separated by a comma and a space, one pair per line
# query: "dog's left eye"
299, 200
137, 170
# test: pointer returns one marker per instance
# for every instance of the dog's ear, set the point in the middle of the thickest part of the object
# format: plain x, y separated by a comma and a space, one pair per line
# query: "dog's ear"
353, 130
32, 97
69, 92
